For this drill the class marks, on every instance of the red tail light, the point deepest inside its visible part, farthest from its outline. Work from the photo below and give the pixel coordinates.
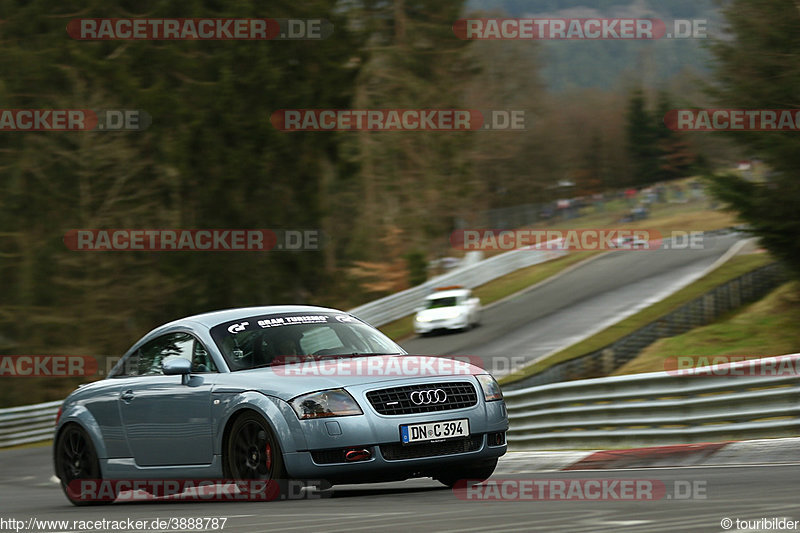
(58, 415)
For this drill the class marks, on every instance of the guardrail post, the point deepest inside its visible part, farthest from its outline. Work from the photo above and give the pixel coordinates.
(708, 308)
(609, 364)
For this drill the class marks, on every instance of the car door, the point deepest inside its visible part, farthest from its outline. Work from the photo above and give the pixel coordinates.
(165, 421)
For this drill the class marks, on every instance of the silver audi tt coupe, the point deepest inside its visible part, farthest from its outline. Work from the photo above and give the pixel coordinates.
(280, 392)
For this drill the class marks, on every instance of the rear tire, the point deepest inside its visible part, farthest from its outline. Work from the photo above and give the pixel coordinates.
(473, 473)
(75, 460)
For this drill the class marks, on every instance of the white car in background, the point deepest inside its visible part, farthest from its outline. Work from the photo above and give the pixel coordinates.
(630, 243)
(451, 308)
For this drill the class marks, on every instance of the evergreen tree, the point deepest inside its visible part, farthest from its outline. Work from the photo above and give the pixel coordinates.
(642, 133)
(758, 68)
(675, 156)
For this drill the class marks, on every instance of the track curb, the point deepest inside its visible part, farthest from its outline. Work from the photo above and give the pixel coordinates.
(726, 453)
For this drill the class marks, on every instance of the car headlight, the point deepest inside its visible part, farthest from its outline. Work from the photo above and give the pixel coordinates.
(324, 404)
(491, 389)
(423, 319)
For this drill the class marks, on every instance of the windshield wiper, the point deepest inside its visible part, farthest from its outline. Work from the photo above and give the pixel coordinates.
(333, 356)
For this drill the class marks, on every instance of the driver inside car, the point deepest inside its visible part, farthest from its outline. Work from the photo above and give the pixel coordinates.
(287, 346)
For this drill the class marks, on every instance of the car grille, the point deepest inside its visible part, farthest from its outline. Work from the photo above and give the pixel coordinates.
(325, 457)
(397, 452)
(397, 400)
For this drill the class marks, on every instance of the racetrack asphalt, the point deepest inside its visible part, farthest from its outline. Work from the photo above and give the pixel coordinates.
(586, 299)
(743, 492)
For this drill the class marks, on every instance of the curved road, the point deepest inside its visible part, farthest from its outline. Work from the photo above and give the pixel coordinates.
(577, 304)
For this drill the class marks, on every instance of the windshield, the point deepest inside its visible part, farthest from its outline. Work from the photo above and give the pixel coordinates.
(449, 301)
(273, 339)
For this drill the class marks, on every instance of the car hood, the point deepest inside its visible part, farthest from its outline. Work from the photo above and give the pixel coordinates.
(290, 380)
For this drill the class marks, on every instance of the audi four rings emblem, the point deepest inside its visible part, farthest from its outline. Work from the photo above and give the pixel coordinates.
(427, 397)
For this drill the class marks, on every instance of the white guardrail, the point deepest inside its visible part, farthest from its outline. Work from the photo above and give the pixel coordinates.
(395, 306)
(732, 401)
(27, 424)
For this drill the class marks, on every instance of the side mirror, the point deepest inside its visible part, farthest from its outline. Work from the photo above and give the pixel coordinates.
(178, 366)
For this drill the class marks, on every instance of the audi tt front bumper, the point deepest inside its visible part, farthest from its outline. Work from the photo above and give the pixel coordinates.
(387, 458)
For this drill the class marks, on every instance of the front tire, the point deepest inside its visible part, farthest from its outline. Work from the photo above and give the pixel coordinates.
(76, 460)
(471, 473)
(252, 453)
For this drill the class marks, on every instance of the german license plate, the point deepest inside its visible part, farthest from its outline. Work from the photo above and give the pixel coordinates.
(434, 431)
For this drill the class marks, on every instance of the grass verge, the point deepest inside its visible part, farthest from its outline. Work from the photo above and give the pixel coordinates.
(770, 326)
(728, 271)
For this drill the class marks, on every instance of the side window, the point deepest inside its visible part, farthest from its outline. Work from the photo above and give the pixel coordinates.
(162, 349)
(128, 367)
(150, 357)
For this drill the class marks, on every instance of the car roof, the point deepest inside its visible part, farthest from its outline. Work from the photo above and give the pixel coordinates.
(448, 294)
(213, 318)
